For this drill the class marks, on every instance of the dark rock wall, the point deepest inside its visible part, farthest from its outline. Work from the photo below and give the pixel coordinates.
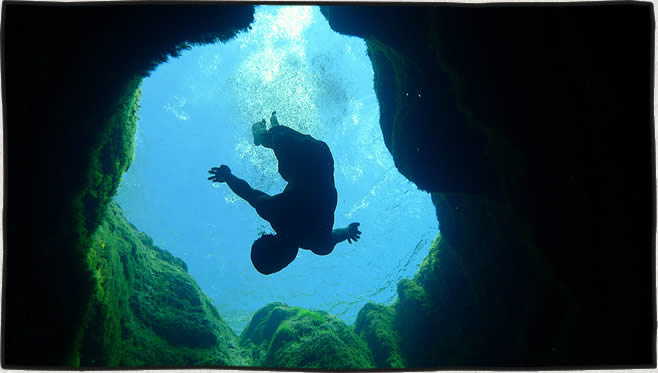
(532, 127)
(146, 309)
(71, 73)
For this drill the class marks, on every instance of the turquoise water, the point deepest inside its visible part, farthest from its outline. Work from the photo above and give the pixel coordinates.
(196, 113)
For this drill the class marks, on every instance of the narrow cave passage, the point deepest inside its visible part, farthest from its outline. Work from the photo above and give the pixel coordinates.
(196, 113)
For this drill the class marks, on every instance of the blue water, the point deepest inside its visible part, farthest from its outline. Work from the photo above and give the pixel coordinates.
(196, 113)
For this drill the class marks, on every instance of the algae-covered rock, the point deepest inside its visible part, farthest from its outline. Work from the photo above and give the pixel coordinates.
(264, 323)
(375, 325)
(292, 337)
(432, 309)
(147, 310)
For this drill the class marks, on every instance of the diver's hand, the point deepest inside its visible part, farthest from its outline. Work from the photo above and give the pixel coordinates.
(219, 174)
(353, 233)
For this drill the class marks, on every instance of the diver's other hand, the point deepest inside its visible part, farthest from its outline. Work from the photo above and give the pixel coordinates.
(220, 174)
(353, 233)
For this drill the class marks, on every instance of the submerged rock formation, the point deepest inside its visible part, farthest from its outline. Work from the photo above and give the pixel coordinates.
(72, 75)
(531, 126)
(280, 336)
(375, 324)
(146, 309)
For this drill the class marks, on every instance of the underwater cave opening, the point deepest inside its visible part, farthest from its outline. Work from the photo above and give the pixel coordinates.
(196, 112)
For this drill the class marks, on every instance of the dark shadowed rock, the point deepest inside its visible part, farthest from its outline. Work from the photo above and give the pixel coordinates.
(531, 126)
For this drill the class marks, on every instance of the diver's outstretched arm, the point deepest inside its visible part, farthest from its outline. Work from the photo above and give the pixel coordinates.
(238, 186)
(350, 233)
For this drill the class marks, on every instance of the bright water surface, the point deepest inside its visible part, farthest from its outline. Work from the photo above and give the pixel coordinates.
(196, 113)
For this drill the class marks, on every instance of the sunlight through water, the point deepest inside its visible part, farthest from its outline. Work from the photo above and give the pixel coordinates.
(196, 113)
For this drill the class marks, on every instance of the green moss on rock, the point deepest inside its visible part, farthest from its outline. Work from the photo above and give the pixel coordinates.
(264, 323)
(292, 337)
(147, 310)
(111, 156)
(375, 325)
(425, 311)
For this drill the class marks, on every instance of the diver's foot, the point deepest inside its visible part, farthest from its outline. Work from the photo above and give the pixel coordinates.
(258, 130)
(273, 121)
(220, 174)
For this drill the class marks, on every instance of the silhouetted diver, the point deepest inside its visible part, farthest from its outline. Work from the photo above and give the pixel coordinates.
(303, 214)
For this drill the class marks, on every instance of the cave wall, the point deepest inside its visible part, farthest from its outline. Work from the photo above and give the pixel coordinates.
(71, 75)
(146, 310)
(532, 128)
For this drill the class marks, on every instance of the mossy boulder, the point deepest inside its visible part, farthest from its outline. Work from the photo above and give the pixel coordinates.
(375, 325)
(147, 310)
(291, 337)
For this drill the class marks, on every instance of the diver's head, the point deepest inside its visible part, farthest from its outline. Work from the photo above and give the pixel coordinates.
(259, 130)
(271, 253)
